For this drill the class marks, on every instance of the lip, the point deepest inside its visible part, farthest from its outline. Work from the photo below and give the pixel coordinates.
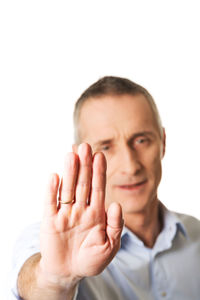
(132, 187)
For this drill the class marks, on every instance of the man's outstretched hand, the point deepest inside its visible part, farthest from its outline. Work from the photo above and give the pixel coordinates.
(79, 239)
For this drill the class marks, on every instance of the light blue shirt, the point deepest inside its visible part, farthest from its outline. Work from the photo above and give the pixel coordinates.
(168, 271)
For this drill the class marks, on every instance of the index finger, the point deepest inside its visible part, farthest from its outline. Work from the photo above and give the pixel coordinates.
(97, 198)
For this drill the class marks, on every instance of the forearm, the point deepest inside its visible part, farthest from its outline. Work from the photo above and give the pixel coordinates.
(34, 285)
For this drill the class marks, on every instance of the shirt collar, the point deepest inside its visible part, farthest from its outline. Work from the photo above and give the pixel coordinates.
(171, 225)
(171, 220)
(128, 234)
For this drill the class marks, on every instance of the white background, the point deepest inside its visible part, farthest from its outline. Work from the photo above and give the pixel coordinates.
(50, 51)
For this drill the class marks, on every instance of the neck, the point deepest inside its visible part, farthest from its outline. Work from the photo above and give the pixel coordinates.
(146, 224)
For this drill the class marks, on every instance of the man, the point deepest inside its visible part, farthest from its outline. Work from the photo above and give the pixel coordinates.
(85, 252)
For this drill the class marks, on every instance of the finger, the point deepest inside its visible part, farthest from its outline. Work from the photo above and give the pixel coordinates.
(114, 223)
(50, 205)
(85, 174)
(97, 197)
(68, 183)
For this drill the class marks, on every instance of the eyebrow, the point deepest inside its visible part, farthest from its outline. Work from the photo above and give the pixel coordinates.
(135, 135)
(103, 142)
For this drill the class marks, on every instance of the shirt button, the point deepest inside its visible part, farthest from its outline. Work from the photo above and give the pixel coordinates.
(164, 294)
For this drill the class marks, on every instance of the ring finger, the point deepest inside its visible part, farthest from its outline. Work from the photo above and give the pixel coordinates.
(68, 183)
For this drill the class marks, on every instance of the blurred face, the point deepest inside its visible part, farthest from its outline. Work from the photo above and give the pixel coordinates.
(123, 127)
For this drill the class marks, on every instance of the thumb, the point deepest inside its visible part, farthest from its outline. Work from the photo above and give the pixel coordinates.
(114, 223)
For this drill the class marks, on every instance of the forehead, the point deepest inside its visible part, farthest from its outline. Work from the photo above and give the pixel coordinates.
(109, 116)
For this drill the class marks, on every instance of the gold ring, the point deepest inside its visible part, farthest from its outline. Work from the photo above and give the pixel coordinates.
(65, 202)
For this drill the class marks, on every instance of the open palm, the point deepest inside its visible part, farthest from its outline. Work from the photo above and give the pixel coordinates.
(80, 238)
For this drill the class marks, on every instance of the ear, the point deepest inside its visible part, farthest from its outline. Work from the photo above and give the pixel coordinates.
(75, 148)
(163, 143)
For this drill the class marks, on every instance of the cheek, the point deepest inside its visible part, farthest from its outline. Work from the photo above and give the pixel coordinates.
(155, 166)
(109, 178)
(111, 166)
(110, 175)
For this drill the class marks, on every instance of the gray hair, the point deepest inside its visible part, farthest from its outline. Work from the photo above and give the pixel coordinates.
(111, 85)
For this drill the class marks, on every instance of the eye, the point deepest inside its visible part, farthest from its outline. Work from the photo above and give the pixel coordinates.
(141, 141)
(105, 148)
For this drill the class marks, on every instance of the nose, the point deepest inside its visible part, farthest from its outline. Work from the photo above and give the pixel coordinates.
(129, 162)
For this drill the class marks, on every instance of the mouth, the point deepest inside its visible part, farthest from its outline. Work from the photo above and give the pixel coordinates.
(132, 187)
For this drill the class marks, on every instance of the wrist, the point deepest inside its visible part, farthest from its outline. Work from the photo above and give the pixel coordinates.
(57, 282)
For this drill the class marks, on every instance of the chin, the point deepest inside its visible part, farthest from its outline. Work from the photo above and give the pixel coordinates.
(133, 209)
(134, 205)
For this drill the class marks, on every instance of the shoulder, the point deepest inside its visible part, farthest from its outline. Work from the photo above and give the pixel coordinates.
(190, 223)
(187, 219)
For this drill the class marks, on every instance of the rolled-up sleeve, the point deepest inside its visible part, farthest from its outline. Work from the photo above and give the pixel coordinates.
(26, 245)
